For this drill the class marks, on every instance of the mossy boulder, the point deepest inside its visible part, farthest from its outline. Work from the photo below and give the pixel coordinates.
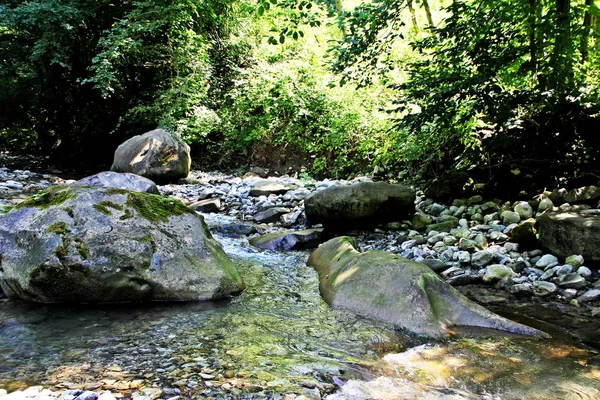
(525, 235)
(364, 204)
(393, 289)
(95, 245)
(156, 155)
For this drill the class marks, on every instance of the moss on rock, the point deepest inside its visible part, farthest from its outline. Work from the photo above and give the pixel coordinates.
(104, 206)
(52, 196)
(58, 227)
(156, 208)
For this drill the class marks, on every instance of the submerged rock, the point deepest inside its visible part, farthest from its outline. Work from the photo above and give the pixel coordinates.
(94, 245)
(364, 204)
(156, 155)
(395, 290)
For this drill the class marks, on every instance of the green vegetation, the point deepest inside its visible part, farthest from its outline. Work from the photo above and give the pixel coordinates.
(148, 239)
(506, 91)
(58, 227)
(53, 196)
(104, 206)
(156, 208)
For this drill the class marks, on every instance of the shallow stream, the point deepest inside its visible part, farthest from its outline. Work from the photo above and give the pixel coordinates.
(278, 338)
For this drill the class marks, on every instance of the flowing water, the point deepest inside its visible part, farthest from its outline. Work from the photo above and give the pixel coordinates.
(277, 337)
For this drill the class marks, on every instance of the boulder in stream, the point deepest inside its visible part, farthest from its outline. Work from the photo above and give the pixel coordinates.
(95, 245)
(364, 204)
(156, 155)
(395, 290)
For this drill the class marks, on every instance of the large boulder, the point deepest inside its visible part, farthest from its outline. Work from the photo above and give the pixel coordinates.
(118, 180)
(156, 155)
(95, 245)
(395, 290)
(364, 204)
(570, 233)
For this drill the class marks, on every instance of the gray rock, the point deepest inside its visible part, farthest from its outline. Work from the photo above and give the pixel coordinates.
(421, 220)
(563, 269)
(95, 245)
(521, 288)
(573, 280)
(207, 206)
(364, 204)
(270, 215)
(392, 289)
(87, 395)
(463, 257)
(547, 261)
(435, 264)
(510, 217)
(545, 204)
(495, 272)
(119, 180)
(568, 233)
(482, 258)
(575, 260)
(444, 226)
(543, 288)
(156, 155)
(287, 240)
(585, 194)
(590, 295)
(584, 271)
(266, 188)
(467, 245)
(524, 210)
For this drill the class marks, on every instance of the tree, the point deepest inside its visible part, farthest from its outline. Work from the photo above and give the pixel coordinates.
(482, 82)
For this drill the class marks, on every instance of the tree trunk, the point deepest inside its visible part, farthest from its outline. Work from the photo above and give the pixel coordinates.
(585, 32)
(562, 63)
(428, 12)
(532, 37)
(413, 15)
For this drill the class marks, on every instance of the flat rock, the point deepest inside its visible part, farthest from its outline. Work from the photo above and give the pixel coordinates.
(119, 180)
(364, 204)
(270, 215)
(266, 188)
(287, 240)
(565, 234)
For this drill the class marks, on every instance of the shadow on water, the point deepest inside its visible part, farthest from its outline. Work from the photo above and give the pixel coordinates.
(278, 336)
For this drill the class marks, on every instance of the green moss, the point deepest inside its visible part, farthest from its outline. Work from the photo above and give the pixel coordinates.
(156, 208)
(5, 209)
(148, 239)
(104, 206)
(126, 215)
(111, 191)
(58, 227)
(52, 196)
(62, 250)
(81, 249)
(69, 211)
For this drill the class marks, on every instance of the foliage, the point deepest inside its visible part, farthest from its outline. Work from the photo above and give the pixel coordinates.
(79, 75)
(496, 84)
